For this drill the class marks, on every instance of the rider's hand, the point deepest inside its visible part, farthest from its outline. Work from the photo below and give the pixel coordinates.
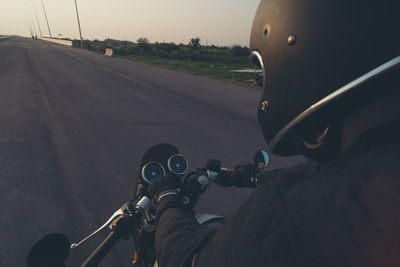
(168, 182)
(193, 188)
(163, 193)
(242, 176)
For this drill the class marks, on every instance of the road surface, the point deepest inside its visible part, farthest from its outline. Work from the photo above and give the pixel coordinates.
(73, 128)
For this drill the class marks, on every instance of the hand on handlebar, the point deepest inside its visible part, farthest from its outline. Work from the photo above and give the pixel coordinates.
(167, 182)
(195, 183)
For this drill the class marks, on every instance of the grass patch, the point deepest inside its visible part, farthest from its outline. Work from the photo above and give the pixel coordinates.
(205, 68)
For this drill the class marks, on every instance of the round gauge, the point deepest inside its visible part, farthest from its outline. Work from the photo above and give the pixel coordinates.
(178, 164)
(152, 171)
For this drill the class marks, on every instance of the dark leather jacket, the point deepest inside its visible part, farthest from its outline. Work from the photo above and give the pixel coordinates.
(346, 213)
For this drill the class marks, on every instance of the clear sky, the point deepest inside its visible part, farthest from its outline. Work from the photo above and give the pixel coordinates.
(221, 22)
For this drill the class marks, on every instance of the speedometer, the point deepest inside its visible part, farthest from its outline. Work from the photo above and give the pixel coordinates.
(152, 171)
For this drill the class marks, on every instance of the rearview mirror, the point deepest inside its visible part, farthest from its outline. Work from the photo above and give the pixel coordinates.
(261, 159)
(51, 250)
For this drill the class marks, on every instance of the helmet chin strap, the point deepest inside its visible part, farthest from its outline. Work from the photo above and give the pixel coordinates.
(318, 142)
(335, 139)
(322, 145)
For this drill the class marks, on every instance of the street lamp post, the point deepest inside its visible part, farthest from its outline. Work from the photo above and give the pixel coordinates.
(79, 24)
(33, 23)
(30, 29)
(48, 27)
(29, 26)
(34, 27)
(37, 20)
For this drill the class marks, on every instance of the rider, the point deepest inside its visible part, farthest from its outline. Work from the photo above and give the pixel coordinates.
(331, 93)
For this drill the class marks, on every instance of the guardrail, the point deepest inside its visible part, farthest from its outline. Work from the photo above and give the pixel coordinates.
(57, 41)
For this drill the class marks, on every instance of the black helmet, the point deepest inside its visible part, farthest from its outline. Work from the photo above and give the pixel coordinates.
(321, 60)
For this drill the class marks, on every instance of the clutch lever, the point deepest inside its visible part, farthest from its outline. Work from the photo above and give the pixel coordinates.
(116, 214)
(127, 208)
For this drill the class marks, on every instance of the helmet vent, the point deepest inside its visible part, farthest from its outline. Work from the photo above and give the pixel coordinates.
(267, 31)
(292, 40)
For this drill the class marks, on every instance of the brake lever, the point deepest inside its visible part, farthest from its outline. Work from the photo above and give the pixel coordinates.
(116, 214)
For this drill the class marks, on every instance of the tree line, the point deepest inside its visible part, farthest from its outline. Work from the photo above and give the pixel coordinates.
(193, 50)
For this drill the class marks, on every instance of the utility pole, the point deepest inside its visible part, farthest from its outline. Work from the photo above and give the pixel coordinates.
(29, 26)
(30, 29)
(48, 27)
(79, 24)
(33, 23)
(40, 30)
(37, 20)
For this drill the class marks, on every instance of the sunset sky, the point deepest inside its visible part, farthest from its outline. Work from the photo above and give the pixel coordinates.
(220, 22)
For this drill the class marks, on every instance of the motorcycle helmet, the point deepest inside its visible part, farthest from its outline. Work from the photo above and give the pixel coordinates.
(321, 60)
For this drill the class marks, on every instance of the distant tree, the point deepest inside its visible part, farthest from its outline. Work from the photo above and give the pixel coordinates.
(144, 44)
(142, 40)
(178, 54)
(195, 43)
(132, 49)
(169, 47)
(238, 50)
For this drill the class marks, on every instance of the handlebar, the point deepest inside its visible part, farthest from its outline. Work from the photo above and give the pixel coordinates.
(196, 182)
(125, 220)
(102, 250)
(122, 228)
(122, 225)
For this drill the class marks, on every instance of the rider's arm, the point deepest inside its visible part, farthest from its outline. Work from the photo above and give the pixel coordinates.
(178, 235)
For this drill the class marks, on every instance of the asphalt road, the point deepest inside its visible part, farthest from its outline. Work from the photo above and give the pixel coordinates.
(73, 128)
(5, 37)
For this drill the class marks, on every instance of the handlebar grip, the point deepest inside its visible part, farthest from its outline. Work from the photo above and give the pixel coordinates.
(213, 165)
(101, 251)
